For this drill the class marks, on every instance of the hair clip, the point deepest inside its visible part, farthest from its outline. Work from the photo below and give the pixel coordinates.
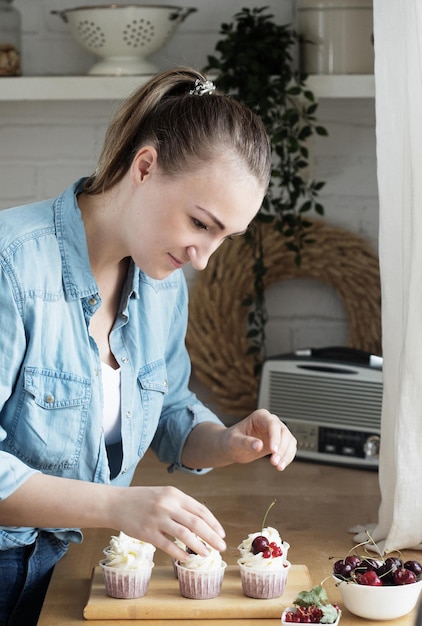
(201, 88)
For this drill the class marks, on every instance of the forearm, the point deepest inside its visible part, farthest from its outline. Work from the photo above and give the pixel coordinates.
(153, 514)
(207, 446)
(45, 501)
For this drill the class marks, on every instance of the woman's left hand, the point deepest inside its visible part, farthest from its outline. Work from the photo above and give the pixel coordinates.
(261, 434)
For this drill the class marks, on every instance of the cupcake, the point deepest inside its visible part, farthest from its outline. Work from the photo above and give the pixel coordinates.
(127, 566)
(200, 577)
(263, 564)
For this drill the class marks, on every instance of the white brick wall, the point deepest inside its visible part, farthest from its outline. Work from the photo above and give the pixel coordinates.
(306, 313)
(46, 145)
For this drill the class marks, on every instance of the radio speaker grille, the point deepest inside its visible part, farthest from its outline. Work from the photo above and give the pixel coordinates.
(340, 396)
(323, 400)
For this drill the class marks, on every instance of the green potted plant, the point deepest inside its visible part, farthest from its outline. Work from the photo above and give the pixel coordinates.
(255, 64)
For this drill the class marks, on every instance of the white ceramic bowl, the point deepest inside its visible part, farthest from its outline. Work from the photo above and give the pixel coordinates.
(292, 608)
(379, 603)
(123, 35)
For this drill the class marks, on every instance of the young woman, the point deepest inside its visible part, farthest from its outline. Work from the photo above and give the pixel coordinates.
(93, 365)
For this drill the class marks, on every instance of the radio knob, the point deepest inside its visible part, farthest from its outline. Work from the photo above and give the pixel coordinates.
(371, 447)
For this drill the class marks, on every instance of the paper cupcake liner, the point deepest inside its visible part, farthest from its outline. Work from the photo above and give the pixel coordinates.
(122, 583)
(198, 584)
(263, 584)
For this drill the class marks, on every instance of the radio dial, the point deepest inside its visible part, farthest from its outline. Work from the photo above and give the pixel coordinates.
(371, 447)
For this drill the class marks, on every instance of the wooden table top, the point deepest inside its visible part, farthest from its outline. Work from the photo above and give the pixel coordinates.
(316, 505)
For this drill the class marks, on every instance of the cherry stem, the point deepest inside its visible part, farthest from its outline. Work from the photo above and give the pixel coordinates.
(371, 540)
(266, 514)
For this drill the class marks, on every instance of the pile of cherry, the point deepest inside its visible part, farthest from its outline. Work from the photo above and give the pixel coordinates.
(305, 615)
(368, 571)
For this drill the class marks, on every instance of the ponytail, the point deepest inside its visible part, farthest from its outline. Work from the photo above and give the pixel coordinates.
(181, 114)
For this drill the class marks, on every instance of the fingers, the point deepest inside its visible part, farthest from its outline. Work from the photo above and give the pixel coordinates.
(263, 434)
(282, 460)
(196, 524)
(177, 550)
(283, 444)
(165, 514)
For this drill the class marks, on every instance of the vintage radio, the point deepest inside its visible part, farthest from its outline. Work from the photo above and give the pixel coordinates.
(330, 398)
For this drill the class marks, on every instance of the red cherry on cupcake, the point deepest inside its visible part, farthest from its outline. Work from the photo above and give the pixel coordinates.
(260, 544)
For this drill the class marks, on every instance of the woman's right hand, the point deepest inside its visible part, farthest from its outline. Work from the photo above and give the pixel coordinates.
(158, 515)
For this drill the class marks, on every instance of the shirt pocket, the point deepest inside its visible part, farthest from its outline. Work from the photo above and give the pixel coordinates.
(153, 386)
(50, 421)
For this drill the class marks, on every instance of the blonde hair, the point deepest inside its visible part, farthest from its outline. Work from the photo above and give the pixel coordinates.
(185, 129)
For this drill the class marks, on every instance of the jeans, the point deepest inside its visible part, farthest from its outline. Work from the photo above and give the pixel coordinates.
(24, 577)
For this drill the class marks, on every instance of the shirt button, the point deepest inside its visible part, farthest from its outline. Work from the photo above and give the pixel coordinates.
(125, 359)
(92, 301)
(49, 398)
(128, 414)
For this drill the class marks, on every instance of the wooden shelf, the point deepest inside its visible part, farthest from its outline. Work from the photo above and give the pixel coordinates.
(45, 88)
(343, 86)
(33, 88)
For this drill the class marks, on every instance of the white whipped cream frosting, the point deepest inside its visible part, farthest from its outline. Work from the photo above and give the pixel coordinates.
(213, 561)
(257, 561)
(126, 552)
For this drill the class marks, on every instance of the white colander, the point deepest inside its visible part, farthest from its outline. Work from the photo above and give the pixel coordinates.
(123, 35)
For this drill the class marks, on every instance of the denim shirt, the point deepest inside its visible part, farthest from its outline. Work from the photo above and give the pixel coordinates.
(51, 396)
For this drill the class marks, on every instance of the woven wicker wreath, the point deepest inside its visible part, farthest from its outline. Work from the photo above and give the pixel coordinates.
(216, 337)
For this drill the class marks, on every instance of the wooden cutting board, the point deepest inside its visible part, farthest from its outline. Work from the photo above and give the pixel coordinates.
(163, 600)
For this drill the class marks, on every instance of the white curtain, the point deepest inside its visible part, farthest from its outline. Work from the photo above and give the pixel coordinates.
(398, 81)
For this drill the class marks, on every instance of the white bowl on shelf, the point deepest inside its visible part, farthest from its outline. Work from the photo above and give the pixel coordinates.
(123, 35)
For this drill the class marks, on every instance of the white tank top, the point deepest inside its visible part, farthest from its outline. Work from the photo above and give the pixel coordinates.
(112, 421)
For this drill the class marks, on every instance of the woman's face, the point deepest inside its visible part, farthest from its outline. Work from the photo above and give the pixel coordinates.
(184, 220)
